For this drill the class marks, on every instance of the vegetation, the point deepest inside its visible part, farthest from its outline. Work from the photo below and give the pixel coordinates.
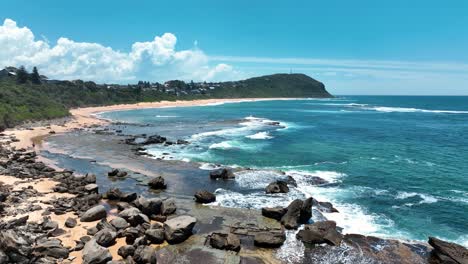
(27, 97)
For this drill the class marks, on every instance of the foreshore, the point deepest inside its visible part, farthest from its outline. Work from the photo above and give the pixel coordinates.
(86, 116)
(52, 188)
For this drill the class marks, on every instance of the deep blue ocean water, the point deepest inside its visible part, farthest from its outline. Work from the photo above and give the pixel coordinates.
(398, 165)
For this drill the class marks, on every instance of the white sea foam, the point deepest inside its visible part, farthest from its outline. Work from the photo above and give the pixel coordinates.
(330, 176)
(221, 145)
(425, 198)
(260, 135)
(166, 116)
(411, 110)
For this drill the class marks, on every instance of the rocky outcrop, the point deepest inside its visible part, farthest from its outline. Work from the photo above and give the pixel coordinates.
(275, 212)
(269, 239)
(319, 233)
(157, 183)
(224, 241)
(224, 173)
(277, 187)
(446, 252)
(290, 220)
(178, 229)
(204, 196)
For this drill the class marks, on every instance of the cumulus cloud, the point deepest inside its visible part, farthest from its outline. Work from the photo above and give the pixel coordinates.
(152, 60)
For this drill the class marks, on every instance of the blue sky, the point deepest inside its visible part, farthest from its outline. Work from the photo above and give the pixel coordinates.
(354, 47)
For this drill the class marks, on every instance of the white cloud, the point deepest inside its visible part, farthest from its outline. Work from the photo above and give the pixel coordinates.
(152, 60)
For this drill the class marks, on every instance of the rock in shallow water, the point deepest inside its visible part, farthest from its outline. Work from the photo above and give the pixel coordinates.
(157, 183)
(204, 196)
(277, 187)
(224, 174)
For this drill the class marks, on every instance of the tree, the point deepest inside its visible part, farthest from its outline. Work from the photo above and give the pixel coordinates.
(35, 78)
(22, 75)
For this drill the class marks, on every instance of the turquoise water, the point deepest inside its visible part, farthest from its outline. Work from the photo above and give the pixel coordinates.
(397, 166)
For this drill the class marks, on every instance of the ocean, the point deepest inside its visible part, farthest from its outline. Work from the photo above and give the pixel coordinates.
(396, 166)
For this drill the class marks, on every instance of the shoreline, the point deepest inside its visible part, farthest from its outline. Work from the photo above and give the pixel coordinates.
(86, 116)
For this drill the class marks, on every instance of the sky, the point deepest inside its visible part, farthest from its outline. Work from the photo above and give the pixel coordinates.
(353, 47)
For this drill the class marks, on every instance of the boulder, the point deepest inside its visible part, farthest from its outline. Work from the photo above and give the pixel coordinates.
(145, 255)
(319, 233)
(306, 211)
(290, 220)
(121, 174)
(168, 207)
(149, 206)
(51, 248)
(93, 253)
(225, 241)
(204, 196)
(70, 222)
(126, 251)
(224, 174)
(275, 212)
(129, 213)
(446, 252)
(113, 173)
(92, 187)
(155, 236)
(157, 183)
(113, 194)
(119, 223)
(269, 239)
(90, 178)
(277, 187)
(178, 229)
(95, 213)
(105, 237)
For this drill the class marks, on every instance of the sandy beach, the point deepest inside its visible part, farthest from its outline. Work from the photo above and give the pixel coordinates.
(85, 117)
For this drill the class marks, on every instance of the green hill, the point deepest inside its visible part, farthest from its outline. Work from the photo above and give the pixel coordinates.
(20, 102)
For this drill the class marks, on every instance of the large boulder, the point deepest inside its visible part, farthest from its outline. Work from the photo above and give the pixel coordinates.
(224, 174)
(133, 216)
(306, 211)
(145, 255)
(274, 212)
(126, 251)
(155, 236)
(51, 248)
(149, 206)
(119, 223)
(16, 247)
(290, 220)
(277, 187)
(178, 229)
(269, 239)
(95, 213)
(319, 233)
(105, 237)
(446, 252)
(93, 253)
(225, 241)
(157, 183)
(168, 207)
(204, 196)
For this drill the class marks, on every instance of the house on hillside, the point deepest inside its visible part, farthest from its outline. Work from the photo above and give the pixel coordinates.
(5, 73)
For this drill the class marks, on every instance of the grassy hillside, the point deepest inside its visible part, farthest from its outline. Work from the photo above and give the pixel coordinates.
(27, 101)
